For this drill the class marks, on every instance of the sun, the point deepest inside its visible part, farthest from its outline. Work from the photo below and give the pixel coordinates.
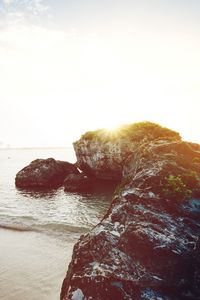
(112, 124)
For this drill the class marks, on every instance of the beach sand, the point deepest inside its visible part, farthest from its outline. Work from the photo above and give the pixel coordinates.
(33, 265)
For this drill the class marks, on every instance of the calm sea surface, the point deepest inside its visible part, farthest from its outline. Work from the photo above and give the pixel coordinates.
(38, 230)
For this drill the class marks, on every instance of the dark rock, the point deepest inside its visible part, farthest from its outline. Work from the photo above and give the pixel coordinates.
(44, 173)
(77, 183)
(148, 244)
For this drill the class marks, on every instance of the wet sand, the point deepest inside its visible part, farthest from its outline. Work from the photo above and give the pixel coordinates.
(33, 265)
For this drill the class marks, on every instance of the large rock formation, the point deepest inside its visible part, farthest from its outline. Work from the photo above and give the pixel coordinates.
(44, 173)
(103, 153)
(148, 244)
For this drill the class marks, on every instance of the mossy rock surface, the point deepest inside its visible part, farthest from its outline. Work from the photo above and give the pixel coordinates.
(134, 132)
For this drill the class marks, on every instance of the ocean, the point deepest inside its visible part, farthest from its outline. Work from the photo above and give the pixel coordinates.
(39, 229)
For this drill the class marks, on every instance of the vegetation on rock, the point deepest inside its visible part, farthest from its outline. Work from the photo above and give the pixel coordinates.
(135, 132)
(176, 188)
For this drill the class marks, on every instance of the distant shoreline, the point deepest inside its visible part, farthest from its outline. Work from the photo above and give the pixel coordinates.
(35, 148)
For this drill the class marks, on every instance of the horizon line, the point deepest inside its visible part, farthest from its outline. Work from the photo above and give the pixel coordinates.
(35, 147)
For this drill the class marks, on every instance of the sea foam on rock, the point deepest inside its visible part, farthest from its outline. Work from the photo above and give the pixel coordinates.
(44, 173)
(147, 246)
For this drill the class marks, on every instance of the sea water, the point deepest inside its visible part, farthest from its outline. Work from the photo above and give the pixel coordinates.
(38, 229)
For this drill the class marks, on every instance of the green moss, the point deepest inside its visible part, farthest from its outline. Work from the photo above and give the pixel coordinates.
(148, 130)
(196, 160)
(134, 132)
(89, 135)
(176, 187)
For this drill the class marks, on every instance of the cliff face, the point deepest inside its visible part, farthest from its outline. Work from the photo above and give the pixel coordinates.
(147, 246)
(103, 160)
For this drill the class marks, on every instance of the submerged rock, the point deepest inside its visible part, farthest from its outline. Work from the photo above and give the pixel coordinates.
(77, 183)
(44, 173)
(148, 244)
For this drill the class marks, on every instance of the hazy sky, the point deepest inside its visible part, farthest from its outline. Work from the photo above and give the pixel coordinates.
(77, 65)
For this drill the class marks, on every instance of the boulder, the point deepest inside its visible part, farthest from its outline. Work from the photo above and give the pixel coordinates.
(77, 183)
(147, 246)
(102, 153)
(44, 173)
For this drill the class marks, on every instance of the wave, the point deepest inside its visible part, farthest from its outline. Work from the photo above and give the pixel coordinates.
(15, 227)
(58, 229)
(65, 228)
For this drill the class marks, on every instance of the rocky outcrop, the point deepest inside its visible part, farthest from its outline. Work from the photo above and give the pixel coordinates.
(95, 160)
(148, 244)
(44, 173)
(102, 153)
(77, 183)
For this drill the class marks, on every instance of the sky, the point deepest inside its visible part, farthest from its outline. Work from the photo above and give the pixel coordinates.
(70, 66)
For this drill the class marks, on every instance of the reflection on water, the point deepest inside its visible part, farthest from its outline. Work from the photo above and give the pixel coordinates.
(100, 188)
(37, 193)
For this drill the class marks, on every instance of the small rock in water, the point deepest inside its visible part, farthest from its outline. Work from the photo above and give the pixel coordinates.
(44, 173)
